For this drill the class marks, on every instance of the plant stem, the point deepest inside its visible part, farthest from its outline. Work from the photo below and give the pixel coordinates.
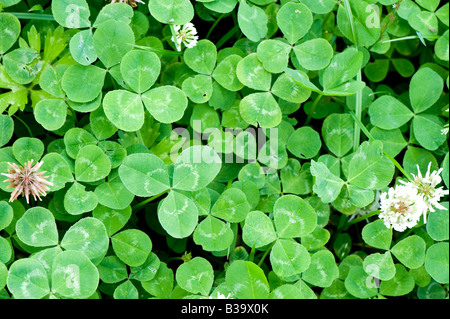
(138, 206)
(214, 25)
(401, 39)
(266, 253)
(371, 138)
(313, 108)
(364, 217)
(227, 36)
(33, 16)
(28, 128)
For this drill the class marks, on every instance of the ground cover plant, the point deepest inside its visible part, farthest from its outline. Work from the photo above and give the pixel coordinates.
(224, 149)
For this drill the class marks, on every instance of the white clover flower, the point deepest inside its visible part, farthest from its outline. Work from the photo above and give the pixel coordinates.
(186, 34)
(401, 207)
(427, 190)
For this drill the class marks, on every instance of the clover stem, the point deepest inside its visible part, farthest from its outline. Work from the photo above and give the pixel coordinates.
(136, 207)
(313, 108)
(28, 128)
(364, 217)
(174, 37)
(214, 25)
(266, 253)
(371, 138)
(33, 16)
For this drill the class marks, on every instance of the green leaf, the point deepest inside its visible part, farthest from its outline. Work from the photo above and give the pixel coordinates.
(72, 14)
(418, 156)
(327, 185)
(304, 143)
(91, 164)
(165, 103)
(321, 7)
(246, 280)
(113, 219)
(171, 11)
(195, 168)
(78, 201)
(161, 285)
(124, 109)
(317, 239)
(410, 251)
(201, 58)
(343, 67)
(231, 206)
(427, 130)
(289, 90)
(436, 262)
(225, 73)
(29, 273)
(393, 140)
(100, 125)
(213, 234)
(126, 290)
(112, 270)
(115, 11)
(437, 224)
(74, 275)
(425, 89)
(89, 236)
(132, 246)
(51, 114)
(286, 291)
(251, 73)
(22, 65)
(430, 5)
(58, 171)
(376, 234)
(144, 174)
(28, 148)
(274, 55)
(426, 23)
(81, 47)
(258, 230)
(441, 47)
(380, 266)
(114, 195)
(196, 276)
(369, 168)
(6, 129)
(337, 133)
(112, 40)
(6, 214)
(146, 271)
(198, 88)
(402, 283)
(293, 217)
(322, 270)
(295, 180)
(75, 139)
(365, 24)
(140, 69)
(359, 283)
(314, 54)
(178, 215)
(11, 30)
(83, 83)
(294, 20)
(289, 258)
(37, 228)
(252, 21)
(260, 108)
(302, 78)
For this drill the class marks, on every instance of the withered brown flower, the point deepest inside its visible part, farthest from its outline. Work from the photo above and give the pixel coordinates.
(27, 180)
